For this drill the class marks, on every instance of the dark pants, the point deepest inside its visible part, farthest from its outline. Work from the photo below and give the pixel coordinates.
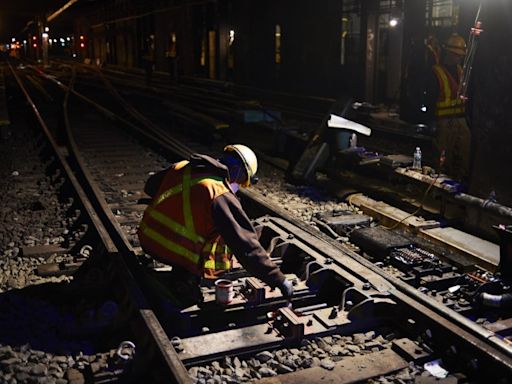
(180, 288)
(454, 137)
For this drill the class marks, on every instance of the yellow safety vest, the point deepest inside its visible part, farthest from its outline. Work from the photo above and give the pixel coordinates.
(448, 104)
(176, 231)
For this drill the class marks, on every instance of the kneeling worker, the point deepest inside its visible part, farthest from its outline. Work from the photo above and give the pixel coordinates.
(194, 216)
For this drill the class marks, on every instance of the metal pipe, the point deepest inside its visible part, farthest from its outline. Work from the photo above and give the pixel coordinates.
(311, 308)
(487, 205)
(496, 301)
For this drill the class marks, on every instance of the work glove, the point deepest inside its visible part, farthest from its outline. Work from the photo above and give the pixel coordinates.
(286, 289)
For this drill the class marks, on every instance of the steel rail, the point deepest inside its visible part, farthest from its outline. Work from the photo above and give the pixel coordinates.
(158, 344)
(163, 344)
(174, 145)
(106, 240)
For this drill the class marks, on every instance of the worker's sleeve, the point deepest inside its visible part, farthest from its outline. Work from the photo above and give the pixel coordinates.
(237, 231)
(154, 182)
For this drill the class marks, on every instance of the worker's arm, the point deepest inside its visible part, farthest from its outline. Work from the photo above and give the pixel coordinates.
(239, 234)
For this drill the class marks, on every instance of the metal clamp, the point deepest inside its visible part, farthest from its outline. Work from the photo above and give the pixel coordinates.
(85, 251)
(126, 350)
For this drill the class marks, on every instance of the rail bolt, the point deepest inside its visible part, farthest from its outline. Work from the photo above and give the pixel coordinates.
(176, 343)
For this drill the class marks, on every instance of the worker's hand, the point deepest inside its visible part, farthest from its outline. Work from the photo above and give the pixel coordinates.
(286, 289)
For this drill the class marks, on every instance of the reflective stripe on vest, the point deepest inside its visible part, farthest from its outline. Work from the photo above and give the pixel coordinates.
(187, 230)
(220, 262)
(448, 104)
(169, 244)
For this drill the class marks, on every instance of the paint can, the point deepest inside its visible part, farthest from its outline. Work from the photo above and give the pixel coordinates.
(224, 292)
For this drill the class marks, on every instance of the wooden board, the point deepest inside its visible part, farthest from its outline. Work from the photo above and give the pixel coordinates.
(43, 250)
(389, 215)
(348, 370)
(483, 252)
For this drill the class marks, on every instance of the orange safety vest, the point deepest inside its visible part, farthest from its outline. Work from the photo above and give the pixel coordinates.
(448, 104)
(178, 228)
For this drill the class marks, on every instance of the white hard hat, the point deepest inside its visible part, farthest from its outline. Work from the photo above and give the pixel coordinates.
(248, 158)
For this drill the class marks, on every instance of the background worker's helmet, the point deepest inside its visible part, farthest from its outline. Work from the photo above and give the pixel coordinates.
(456, 44)
(248, 159)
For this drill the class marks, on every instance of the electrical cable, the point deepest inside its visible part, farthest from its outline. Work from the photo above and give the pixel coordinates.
(419, 208)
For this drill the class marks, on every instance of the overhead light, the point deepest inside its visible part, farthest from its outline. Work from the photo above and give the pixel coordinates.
(393, 23)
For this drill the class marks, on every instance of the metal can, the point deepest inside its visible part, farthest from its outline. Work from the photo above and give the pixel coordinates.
(224, 292)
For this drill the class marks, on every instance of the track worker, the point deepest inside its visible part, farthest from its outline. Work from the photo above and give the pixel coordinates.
(194, 216)
(453, 135)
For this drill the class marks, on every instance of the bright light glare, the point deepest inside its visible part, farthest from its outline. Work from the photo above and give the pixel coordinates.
(393, 23)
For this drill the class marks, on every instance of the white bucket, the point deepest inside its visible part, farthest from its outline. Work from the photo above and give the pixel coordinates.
(224, 292)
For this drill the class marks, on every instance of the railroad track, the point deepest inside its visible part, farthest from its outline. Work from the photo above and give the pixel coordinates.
(221, 106)
(349, 322)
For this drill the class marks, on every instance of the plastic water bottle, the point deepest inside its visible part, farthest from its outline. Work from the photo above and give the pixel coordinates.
(416, 163)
